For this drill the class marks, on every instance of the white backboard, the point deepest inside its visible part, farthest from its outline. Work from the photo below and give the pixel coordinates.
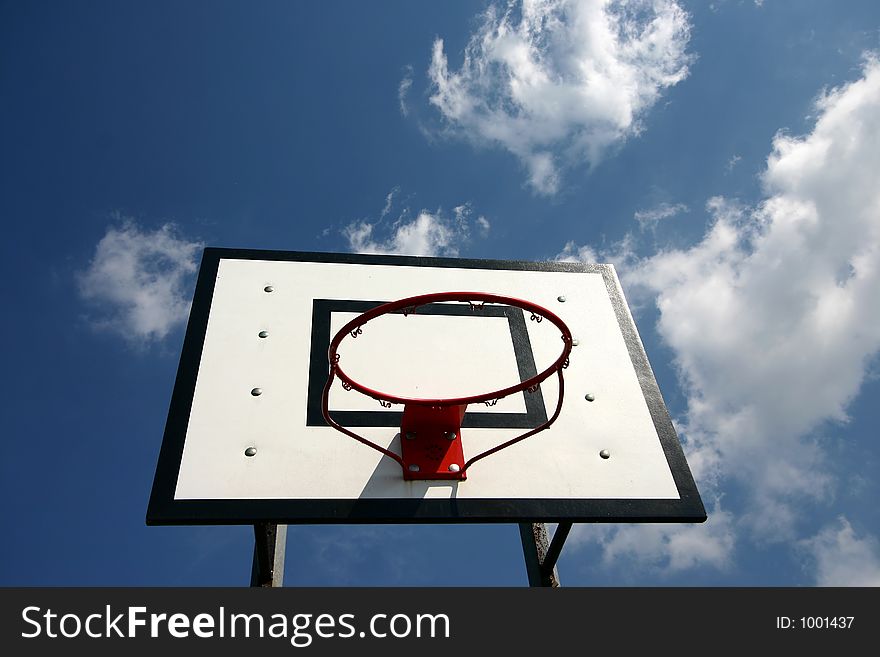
(261, 323)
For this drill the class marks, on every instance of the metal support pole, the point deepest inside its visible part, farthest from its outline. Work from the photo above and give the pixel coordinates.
(535, 544)
(540, 553)
(270, 542)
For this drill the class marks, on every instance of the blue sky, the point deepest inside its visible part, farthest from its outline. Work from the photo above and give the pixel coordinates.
(724, 156)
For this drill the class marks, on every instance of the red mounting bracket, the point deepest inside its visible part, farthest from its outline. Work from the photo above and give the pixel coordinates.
(430, 442)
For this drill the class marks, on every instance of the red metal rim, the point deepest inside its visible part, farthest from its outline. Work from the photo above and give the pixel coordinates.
(410, 305)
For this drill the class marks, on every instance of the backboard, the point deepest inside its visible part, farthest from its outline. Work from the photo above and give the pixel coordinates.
(245, 440)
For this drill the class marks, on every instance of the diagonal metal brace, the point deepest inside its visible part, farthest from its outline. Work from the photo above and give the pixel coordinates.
(541, 554)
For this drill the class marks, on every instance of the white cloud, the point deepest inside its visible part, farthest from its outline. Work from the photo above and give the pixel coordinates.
(648, 219)
(574, 253)
(620, 254)
(732, 162)
(428, 234)
(774, 316)
(484, 226)
(138, 281)
(841, 558)
(403, 90)
(558, 82)
(665, 549)
(389, 202)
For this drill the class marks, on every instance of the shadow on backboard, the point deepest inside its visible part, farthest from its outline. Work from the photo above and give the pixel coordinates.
(386, 483)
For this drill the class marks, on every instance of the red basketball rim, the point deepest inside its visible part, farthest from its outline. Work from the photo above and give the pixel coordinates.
(410, 305)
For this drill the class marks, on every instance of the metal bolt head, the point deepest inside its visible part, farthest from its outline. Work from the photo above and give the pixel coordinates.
(256, 392)
(454, 467)
(575, 342)
(450, 435)
(412, 467)
(561, 298)
(268, 288)
(250, 451)
(590, 396)
(410, 435)
(263, 334)
(605, 454)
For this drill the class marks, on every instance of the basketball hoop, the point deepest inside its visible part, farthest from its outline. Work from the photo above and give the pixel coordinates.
(430, 430)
